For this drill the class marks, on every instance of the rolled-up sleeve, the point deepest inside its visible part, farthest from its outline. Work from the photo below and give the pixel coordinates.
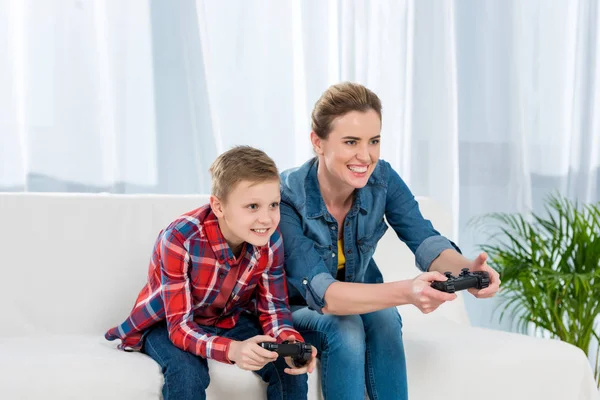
(305, 269)
(403, 214)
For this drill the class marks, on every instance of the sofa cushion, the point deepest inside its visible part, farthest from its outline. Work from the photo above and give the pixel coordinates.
(89, 367)
(478, 363)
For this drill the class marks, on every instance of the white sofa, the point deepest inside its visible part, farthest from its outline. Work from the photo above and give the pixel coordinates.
(71, 266)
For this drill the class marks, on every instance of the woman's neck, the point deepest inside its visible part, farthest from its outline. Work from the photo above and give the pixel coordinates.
(335, 194)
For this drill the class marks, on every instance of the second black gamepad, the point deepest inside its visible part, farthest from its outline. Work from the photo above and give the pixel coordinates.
(465, 280)
(300, 352)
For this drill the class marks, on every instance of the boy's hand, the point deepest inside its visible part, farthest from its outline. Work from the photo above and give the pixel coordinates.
(310, 365)
(249, 355)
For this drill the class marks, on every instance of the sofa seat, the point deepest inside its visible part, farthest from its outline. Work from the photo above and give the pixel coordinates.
(472, 362)
(495, 364)
(89, 367)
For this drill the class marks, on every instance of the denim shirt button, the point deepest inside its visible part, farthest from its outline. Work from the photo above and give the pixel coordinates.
(332, 255)
(333, 227)
(349, 251)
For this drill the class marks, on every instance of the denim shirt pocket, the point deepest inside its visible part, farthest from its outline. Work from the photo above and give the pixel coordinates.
(326, 254)
(368, 243)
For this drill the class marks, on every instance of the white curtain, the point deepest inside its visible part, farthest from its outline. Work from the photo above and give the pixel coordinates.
(76, 99)
(488, 105)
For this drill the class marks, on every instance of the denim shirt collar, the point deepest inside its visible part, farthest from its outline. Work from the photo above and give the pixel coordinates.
(315, 206)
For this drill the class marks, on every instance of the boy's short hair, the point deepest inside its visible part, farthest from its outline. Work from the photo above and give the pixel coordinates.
(241, 163)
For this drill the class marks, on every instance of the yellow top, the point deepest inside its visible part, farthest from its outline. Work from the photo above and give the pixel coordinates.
(341, 257)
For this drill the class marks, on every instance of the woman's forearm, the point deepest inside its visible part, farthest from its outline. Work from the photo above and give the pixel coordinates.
(450, 260)
(344, 298)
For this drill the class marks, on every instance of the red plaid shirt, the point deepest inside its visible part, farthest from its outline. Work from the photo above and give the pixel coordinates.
(189, 264)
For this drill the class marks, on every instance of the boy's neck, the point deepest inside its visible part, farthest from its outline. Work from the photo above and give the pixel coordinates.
(234, 245)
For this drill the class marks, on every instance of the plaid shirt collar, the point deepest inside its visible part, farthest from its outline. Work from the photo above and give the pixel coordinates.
(212, 232)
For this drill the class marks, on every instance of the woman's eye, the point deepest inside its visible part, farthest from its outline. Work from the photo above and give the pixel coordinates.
(350, 142)
(375, 141)
(274, 205)
(253, 206)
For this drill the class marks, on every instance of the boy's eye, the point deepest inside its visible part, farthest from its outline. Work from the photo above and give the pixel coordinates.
(350, 142)
(375, 141)
(253, 206)
(274, 205)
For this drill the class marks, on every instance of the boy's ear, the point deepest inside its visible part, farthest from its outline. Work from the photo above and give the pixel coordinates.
(316, 143)
(216, 205)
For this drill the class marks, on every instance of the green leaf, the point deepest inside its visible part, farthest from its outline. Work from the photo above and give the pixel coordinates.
(550, 270)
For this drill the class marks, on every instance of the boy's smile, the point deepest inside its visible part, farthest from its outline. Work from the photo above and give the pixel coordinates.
(249, 214)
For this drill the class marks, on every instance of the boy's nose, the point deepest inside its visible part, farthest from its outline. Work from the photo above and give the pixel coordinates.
(264, 219)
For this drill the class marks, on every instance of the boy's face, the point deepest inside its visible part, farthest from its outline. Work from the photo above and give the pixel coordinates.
(249, 214)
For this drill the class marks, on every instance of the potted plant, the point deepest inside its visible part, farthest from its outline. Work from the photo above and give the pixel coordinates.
(550, 271)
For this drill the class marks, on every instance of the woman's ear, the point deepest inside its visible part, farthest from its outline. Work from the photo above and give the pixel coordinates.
(316, 143)
(216, 205)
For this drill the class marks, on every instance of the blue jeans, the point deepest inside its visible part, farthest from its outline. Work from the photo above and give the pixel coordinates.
(357, 350)
(186, 375)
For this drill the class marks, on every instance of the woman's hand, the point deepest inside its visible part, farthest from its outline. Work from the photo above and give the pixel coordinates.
(426, 298)
(480, 264)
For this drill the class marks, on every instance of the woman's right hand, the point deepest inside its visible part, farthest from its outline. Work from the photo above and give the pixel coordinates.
(426, 298)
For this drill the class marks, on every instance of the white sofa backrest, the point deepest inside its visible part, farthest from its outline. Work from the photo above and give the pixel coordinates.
(74, 263)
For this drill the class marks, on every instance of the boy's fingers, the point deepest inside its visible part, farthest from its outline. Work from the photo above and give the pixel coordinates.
(256, 358)
(267, 354)
(251, 365)
(295, 371)
(262, 338)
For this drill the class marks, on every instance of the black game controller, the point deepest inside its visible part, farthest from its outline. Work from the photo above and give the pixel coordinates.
(300, 352)
(465, 280)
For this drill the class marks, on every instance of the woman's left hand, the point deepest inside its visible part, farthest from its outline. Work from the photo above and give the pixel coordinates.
(480, 264)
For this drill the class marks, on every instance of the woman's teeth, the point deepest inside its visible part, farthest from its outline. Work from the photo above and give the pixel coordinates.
(358, 169)
(259, 230)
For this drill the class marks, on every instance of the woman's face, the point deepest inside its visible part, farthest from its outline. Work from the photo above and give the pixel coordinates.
(351, 151)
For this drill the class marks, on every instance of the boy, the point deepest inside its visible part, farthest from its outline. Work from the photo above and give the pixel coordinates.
(216, 286)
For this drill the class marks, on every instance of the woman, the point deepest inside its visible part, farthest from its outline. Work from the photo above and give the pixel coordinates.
(332, 216)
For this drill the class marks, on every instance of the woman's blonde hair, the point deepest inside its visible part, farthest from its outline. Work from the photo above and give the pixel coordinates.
(340, 99)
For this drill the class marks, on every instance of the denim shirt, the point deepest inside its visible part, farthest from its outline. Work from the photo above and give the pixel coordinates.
(310, 232)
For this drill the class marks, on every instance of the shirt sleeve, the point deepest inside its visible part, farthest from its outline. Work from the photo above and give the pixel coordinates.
(403, 214)
(183, 331)
(304, 266)
(272, 297)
